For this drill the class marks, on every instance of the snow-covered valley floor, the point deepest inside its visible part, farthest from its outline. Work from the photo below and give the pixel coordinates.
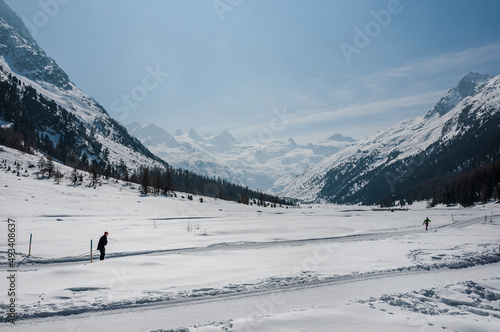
(173, 264)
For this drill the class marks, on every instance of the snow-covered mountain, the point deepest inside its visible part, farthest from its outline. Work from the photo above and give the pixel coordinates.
(44, 109)
(41, 109)
(461, 131)
(25, 57)
(268, 166)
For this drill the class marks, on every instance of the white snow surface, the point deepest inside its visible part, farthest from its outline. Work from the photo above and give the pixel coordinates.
(173, 264)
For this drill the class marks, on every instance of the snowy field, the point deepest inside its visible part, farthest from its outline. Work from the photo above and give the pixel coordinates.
(173, 264)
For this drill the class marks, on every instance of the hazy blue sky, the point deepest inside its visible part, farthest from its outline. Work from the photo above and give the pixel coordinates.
(267, 68)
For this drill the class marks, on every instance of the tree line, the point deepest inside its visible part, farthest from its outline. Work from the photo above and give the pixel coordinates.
(479, 185)
(168, 179)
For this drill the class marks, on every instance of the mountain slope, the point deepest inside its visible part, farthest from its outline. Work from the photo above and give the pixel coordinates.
(269, 166)
(454, 135)
(42, 108)
(24, 55)
(468, 86)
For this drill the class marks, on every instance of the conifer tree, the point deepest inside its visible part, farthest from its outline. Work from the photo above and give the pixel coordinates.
(145, 181)
(74, 177)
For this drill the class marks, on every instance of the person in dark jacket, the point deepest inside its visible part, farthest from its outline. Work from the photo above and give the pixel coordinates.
(426, 223)
(102, 243)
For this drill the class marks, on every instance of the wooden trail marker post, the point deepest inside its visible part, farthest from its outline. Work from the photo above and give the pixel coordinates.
(29, 251)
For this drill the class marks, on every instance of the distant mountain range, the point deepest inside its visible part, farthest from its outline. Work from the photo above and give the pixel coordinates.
(460, 132)
(268, 166)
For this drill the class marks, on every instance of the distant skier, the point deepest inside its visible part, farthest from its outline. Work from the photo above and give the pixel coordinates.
(103, 241)
(426, 223)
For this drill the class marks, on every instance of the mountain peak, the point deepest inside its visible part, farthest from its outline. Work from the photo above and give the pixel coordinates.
(23, 55)
(468, 86)
(224, 140)
(151, 125)
(226, 136)
(151, 134)
(341, 138)
(132, 126)
(15, 21)
(194, 135)
(470, 82)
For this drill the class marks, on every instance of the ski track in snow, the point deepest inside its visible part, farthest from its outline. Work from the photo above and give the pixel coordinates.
(34, 261)
(209, 310)
(270, 285)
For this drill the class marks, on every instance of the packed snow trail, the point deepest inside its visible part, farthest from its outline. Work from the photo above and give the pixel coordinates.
(35, 261)
(193, 312)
